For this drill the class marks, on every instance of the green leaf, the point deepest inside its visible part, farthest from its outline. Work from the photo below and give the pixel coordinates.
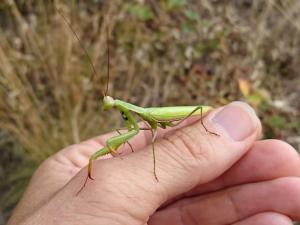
(208, 46)
(206, 23)
(187, 27)
(277, 121)
(141, 12)
(191, 15)
(173, 4)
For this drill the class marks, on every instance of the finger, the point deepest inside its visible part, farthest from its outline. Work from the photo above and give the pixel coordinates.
(238, 203)
(267, 218)
(184, 159)
(266, 160)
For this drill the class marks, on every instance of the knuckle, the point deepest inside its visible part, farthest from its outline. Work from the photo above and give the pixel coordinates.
(233, 204)
(283, 146)
(283, 152)
(189, 146)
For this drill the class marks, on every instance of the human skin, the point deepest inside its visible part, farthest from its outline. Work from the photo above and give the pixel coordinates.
(204, 179)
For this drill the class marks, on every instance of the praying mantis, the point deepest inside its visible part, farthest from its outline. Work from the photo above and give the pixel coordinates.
(154, 117)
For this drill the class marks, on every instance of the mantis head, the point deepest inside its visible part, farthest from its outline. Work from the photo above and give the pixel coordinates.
(108, 102)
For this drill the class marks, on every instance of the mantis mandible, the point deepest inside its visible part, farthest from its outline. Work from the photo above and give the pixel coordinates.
(155, 117)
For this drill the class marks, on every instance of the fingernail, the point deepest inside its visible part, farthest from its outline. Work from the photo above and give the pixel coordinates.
(237, 119)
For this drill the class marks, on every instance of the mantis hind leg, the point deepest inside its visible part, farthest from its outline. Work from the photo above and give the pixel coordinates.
(208, 131)
(173, 124)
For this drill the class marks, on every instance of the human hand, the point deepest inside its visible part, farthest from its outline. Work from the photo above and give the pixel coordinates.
(203, 179)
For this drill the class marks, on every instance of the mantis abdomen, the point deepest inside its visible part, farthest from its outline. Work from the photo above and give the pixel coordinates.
(175, 112)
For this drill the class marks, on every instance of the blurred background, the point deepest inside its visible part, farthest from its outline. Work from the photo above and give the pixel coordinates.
(165, 52)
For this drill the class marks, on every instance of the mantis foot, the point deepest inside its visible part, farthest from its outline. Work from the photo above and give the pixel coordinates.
(210, 132)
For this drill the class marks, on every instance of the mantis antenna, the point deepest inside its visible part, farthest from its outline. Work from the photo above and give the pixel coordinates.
(94, 73)
(108, 59)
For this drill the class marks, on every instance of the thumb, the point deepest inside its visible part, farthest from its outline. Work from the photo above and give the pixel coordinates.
(188, 157)
(192, 156)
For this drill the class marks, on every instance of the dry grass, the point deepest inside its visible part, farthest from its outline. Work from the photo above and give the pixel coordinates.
(47, 99)
(202, 48)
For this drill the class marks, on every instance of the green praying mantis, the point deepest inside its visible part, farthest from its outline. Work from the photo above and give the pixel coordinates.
(154, 117)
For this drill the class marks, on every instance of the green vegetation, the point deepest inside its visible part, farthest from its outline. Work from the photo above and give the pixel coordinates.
(213, 52)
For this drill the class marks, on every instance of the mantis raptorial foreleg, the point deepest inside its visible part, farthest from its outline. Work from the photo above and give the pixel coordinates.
(119, 132)
(141, 128)
(114, 143)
